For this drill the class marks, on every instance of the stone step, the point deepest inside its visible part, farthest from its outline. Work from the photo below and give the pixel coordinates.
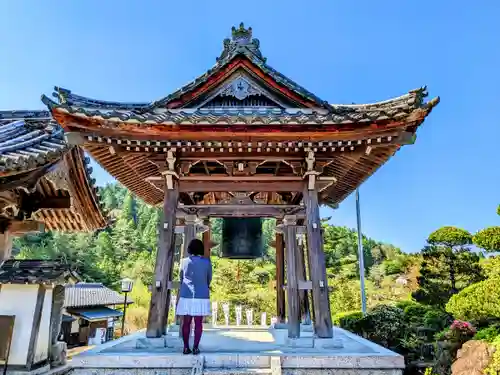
(236, 371)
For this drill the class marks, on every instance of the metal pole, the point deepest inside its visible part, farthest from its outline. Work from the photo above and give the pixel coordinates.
(124, 312)
(361, 256)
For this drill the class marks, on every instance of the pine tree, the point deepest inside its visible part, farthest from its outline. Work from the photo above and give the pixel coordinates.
(448, 266)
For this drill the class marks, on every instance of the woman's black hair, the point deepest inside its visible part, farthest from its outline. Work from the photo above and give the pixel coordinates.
(196, 247)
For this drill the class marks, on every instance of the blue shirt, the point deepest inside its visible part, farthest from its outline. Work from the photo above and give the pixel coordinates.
(196, 276)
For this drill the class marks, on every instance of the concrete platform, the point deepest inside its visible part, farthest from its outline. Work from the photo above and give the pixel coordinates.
(240, 350)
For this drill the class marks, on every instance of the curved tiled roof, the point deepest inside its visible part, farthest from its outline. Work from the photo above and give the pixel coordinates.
(33, 271)
(29, 139)
(32, 140)
(91, 294)
(400, 109)
(241, 44)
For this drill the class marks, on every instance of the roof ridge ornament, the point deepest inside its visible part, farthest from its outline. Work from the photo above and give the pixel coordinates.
(243, 42)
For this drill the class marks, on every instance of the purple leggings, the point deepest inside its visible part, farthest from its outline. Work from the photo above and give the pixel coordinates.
(186, 330)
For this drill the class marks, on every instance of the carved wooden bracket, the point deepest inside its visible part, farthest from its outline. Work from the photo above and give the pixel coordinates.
(170, 173)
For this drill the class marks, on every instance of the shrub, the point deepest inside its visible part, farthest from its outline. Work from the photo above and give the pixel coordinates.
(488, 334)
(348, 320)
(415, 313)
(479, 301)
(404, 304)
(437, 320)
(494, 365)
(442, 335)
(460, 331)
(384, 325)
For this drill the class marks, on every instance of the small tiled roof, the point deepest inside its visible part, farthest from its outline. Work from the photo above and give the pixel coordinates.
(91, 294)
(35, 272)
(29, 139)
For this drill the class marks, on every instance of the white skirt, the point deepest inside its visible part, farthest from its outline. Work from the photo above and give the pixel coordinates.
(193, 307)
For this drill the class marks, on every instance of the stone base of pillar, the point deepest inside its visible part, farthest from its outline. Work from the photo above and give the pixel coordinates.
(301, 342)
(151, 343)
(335, 343)
(304, 328)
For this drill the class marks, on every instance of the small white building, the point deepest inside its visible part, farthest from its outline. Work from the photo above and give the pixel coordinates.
(90, 313)
(30, 306)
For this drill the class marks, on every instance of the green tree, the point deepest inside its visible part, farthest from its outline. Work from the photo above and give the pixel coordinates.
(488, 239)
(448, 266)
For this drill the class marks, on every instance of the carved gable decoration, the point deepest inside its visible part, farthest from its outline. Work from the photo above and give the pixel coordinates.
(240, 88)
(242, 91)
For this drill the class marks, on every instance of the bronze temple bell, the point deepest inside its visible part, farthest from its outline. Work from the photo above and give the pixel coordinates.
(242, 238)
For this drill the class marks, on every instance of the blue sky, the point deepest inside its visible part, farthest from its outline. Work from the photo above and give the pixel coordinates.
(344, 51)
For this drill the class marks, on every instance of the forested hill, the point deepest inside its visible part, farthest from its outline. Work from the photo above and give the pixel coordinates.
(128, 246)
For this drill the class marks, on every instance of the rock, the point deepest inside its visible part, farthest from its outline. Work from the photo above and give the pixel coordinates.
(472, 358)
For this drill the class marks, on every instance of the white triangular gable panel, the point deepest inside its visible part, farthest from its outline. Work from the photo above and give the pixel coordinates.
(238, 90)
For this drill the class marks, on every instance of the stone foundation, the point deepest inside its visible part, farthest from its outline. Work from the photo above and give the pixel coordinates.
(223, 371)
(241, 350)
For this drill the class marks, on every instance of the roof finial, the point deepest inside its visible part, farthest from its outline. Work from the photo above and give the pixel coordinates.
(243, 42)
(241, 35)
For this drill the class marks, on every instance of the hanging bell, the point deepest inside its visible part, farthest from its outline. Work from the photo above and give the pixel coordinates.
(242, 238)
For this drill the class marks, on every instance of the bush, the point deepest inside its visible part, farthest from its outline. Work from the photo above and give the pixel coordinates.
(348, 320)
(437, 320)
(494, 366)
(479, 301)
(384, 325)
(460, 332)
(442, 335)
(404, 304)
(488, 334)
(415, 313)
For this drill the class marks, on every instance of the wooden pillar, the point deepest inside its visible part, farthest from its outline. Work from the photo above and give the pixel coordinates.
(302, 276)
(35, 328)
(311, 296)
(5, 246)
(177, 247)
(206, 236)
(164, 260)
(280, 278)
(292, 283)
(56, 314)
(189, 232)
(323, 318)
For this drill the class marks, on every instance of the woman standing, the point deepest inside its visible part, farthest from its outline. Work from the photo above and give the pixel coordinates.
(194, 301)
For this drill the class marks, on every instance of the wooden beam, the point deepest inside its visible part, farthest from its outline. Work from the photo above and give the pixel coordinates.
(164, 260)
(213, 186)
(254, 178)
(27, 226)
(290, 234)
(54, 203)
(251, 210)
(323, 318)
(280, 278)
